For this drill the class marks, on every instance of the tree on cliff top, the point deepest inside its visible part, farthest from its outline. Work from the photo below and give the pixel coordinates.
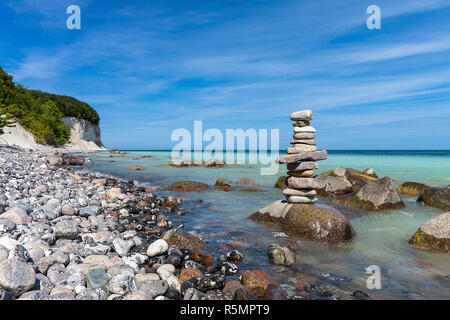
(39, 112)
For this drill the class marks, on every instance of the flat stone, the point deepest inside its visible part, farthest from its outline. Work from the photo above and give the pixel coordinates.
(301, 183)
(302, 115)
(300, 123)
(304, 141)
(299, 192)
(298, 148)
(304, 173)
(304, 129)
(304, 135)
(300, 199)
(304, 165)
(305, 156)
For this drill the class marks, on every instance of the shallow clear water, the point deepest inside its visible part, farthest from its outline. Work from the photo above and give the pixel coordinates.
(381, 238)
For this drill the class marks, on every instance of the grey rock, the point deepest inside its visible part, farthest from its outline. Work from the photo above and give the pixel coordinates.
(122, 284)
(7, 225)
(97, 278)
(57, 273)
(89, 211)
(122, 247)
(194, 294)
(120, 268)
(19, 253)
(329, 186)
(153, 287)
(16, 276)
(281, 255)
(158, 247)
(32, 295)
(66, 230)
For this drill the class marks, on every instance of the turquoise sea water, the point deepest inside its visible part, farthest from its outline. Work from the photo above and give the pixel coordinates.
(381, 238)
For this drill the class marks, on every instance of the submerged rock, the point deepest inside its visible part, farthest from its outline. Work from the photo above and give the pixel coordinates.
(434, 234)
(281, 183)
(436, 197)
(281, 255)
(187, 186)
(318, 223)
(330, 186)
(315, 222)
(374, 196)
(411, 188)
(183, 240)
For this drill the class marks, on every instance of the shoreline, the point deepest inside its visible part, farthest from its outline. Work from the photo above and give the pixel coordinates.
(95, 242)
(86, 237)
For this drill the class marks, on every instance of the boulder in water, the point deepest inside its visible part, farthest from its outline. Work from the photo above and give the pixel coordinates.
(434, 234)
(281, 183)
(411, 188)
(330, 186)
(316, 222)
(436, 197)
(187, 186)
(183, 240)
(374, 196)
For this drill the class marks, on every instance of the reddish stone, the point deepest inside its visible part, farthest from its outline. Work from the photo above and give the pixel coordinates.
(256, 281)
(199, 201)
(203, 258)
(274, 292)
(189, 273)
(129, 226)
(302, 281)
(113, 214)
(236, 244)
(232, 286)
(162, 224)
(225, 188)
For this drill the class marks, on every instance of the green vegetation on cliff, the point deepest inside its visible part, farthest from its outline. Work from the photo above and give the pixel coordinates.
(39, 112)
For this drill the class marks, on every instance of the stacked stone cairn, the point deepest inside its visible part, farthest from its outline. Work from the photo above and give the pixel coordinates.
(301, 160)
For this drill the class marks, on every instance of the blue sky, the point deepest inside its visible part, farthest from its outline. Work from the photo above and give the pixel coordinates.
(149, 67)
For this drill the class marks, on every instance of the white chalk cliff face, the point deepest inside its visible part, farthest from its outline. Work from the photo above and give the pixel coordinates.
(84, 136)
